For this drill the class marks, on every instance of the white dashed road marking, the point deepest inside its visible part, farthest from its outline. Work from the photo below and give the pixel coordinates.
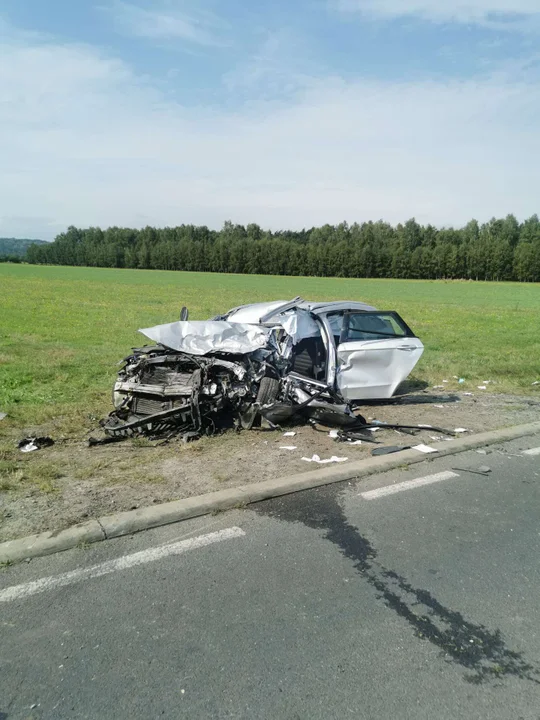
(17, 592)
(532, 451)
(408, 485)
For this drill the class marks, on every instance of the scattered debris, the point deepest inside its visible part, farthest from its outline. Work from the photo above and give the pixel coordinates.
(3, 415)
(482, 387)
(461, 381)
(260, 365)
(333, 434)
(440, 407)
(537, 382)
(287, 447)
(291, 433)
(468, 394)
(389, 449)
(317, 459)
(481, 470)
(29, 444)
(461, 430)
(438, 387)
(424, 448)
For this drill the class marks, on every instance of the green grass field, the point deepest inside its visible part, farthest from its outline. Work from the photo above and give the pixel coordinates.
(63, 329)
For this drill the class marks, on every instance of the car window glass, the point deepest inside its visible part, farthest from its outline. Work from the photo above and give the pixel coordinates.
(336, 323)
(372, 326)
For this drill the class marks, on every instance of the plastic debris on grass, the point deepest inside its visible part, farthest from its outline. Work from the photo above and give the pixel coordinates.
(30, 444)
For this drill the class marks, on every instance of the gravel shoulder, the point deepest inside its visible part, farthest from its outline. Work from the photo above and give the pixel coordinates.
(68, 483)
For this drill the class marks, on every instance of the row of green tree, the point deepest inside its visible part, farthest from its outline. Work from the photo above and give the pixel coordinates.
(497, 250)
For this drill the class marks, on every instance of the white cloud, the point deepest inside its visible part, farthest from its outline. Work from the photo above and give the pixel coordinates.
(282, 65)
(512, 14)
(166, 22)
(85, 141)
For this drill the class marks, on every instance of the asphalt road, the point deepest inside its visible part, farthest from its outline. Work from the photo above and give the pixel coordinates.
(326, 604)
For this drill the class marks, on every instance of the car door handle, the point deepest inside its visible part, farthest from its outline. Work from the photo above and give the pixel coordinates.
(407, 348)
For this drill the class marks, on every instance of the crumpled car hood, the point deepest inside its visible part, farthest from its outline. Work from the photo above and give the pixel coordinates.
(200, 337)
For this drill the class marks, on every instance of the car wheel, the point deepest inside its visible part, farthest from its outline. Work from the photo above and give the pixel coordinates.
(268, 390)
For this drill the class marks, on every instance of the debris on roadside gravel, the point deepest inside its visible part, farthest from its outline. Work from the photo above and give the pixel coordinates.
(424, 448)
(29, 444)
(389, 449)
(317, 459)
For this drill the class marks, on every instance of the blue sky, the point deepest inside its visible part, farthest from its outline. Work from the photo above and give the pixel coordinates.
(288, 114)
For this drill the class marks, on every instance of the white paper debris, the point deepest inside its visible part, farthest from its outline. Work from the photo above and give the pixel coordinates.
(354, 442)
(424, 448)
(482, 387)
(461, 430)
(424, 426)
(4, 415)
(445, 381)
(374, 429)
(317, 459)
(438, 387)
(287, 447)
(333, 434)
(537, 382)
(436, 437)
(291, 433)
(468, 394)
(486, 382)
(439, 406)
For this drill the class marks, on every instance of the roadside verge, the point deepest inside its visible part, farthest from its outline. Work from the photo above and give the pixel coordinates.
(125, 523)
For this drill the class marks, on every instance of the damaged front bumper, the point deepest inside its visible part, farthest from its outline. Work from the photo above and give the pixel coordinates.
(162, 392)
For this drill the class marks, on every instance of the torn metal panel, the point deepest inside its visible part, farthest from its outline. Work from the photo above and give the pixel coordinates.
(200, 337)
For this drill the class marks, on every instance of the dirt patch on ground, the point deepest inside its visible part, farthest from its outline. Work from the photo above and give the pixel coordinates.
(70, 482)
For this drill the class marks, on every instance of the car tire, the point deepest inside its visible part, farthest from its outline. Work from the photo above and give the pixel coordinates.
(268, 390)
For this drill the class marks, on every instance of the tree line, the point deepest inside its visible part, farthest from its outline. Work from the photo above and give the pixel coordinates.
(501, 249)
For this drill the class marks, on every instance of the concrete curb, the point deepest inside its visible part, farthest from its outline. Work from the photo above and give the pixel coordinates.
(124, 523)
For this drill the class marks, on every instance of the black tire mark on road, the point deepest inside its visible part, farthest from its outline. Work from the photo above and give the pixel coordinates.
(480, 651)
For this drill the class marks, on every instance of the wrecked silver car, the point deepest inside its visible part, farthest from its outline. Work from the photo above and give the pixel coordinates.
(261, 363)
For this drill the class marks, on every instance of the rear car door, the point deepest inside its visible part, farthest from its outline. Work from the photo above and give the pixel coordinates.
(376, 352)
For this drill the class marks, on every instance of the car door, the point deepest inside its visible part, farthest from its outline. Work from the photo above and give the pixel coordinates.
(376, 352)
